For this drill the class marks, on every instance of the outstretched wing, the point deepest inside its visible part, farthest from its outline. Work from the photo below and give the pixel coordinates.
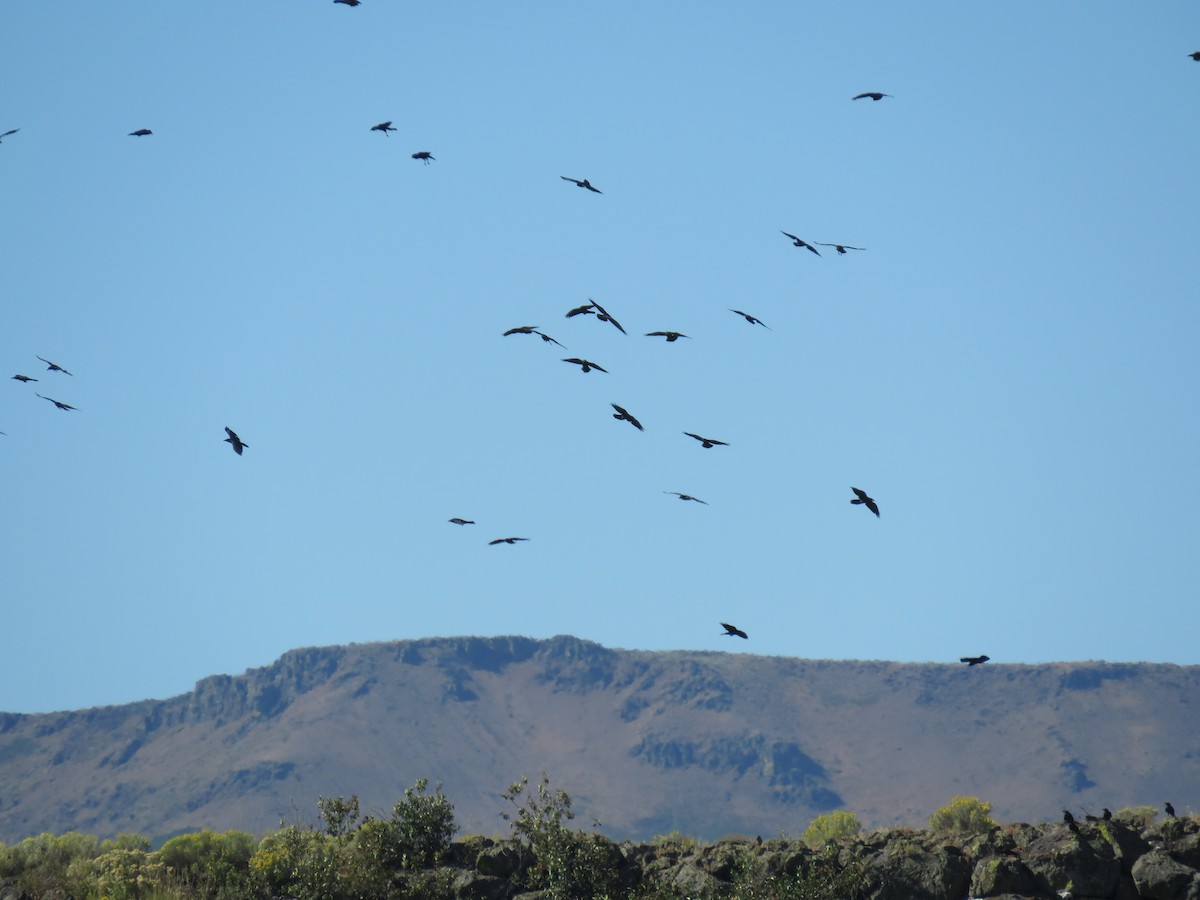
(572, 180)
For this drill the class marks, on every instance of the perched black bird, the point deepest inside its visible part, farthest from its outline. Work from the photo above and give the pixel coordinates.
(234, 441)
(603, 315)
(349, 2)
(457, 521)
(1107, 814)
(425, 156)
(861, 497)
(141, 132)
(583, 184)
(733, 631)
(24, 378)
(686, 497)
(751, 319)
(512, 540)
(798, 242)
(874, 95)
(706, 443)
(841, 248)
(974, 660)
(671, 336)
(385, 127)
(586, 310)
(622, 414)
(1067, 817)
(7, 133)
(54, 367)
(586, 365)
(57, 403)
(1170, 809)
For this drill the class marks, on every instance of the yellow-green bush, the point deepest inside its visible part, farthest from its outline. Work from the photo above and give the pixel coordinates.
(968, 815)
(831, 826)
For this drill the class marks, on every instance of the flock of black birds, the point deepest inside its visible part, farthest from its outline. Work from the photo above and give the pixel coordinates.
(1105, 816)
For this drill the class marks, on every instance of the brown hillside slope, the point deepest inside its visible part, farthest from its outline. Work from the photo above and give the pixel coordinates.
(646, 742)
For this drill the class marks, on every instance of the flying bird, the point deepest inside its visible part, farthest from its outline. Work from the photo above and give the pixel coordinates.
(974, 660)
(1195, 56)
(861, 497)
(622, 414)
(800, 242)
(385, 127)
(671, 336)
(1170, 809)
(874, 95)
(349, 2)
(706, 443)
(586, 310)
(841, 248)
(457, 521)
(54, 367)
(686, 497)
(583, 184)
(234, 441)
(425, 156)
(532, 329)
(7, 133)
(751, 319)
(586, 365)
(733, 631)
(24, 378)
(603, 315)
(511, 540)
(57, 403)
(141, 132)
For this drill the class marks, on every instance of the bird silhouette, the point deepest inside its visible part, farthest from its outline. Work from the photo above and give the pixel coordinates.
(622, 414)
(457, 521)
(509, 540)
(349, 2)
(7, 133)
(583, 184)
(733, 631)
(671, 336)
(686, 497)
(1195, 56)
(531, 329)
(1170, 809)
(751, 319)
(841, 248)
(141, 132)
(585, 310)
(706, 443)
(1067, 817)
(861, 497)
(24, 378)
(385, 127)
(235, 442)
(974, 660)
(603, 315)
(800, 242)
(586, 365)
(54, 367)
(57, 403)
(874, 95)
(1107, 814)
(425, 156)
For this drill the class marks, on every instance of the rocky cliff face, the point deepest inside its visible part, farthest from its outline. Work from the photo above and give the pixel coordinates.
(707, 743)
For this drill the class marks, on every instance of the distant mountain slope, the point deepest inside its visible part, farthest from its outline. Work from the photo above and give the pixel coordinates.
(646, 742)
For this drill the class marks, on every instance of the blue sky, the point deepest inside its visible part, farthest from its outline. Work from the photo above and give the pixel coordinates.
(1009, 368)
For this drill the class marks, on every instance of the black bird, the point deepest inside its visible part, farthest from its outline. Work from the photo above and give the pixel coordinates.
(841, 248)
(57, 403)
(234, 441)
(425, 156)
(974, 660)
(1067, 817)
(798, 242)
(457, 521)
(511, 540)
(733, 631)
(532, 329)
(603, 315)
(1107, 814)
(24, 378)
(706, 443)
(751, 319)
(54, 367)
(586, 365)
(7, 133)
(686, 497)
(1170, 809)
(583, 184)
(349, 2)
(141, 132)
(586, 310)
(874, 95)
(671, 336)
(1195, 56)
(861, 497)
(385, 127)
(622, 414)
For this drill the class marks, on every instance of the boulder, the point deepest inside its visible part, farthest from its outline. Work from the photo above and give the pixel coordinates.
(996, 876)
(1159, 877)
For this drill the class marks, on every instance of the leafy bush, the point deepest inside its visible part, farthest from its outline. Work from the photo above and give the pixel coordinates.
(424, 825)
(209, 864)
(128, 874)
(1136, 816)
(48, 863)
(339, 815)
(822, 877)
(968, 815)
(298, 862)
(831, 826)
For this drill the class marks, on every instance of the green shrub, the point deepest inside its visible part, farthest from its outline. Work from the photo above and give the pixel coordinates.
(822, 877)
(831, 826)
(1136, 816)
(300, 863)
(966, 815)
(208, 863)
(424, 825)
(128, 874)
